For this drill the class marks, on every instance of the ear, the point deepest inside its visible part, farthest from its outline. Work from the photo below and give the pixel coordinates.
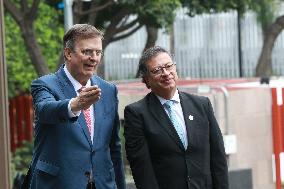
(67, 53)
(146, 81)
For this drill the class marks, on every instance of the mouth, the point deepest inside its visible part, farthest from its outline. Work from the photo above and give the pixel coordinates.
(90, 65)
(167, 81)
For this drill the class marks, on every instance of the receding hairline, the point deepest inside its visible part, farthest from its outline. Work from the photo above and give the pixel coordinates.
(82, 31)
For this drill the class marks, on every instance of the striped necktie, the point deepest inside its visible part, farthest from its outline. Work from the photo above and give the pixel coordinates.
(87, 115)
(178, 127)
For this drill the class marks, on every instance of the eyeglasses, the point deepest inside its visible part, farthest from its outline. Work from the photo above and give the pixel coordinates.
(159, 70)
(91, 52)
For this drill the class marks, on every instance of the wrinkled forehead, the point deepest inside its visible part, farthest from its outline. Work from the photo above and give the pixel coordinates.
(94, 42)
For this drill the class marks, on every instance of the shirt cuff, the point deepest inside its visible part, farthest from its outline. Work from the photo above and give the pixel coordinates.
(70, 112)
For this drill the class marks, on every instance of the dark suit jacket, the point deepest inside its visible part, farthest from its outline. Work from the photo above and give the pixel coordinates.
(155, 152)
(63, 150)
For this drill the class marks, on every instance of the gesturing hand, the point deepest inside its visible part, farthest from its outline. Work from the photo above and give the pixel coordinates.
(87, 96)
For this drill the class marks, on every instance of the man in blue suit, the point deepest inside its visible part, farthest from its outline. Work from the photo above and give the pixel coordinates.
(76, 121)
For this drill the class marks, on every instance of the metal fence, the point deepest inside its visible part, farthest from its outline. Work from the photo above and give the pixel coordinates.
(205, 46)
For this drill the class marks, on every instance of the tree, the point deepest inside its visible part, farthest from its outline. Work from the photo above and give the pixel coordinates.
(271, 29)
(118, 19)
(265, 10)
(20, 65)
(264, 65)
(122, 19)
(25, 15)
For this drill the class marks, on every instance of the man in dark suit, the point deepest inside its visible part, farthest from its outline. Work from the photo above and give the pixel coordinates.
(76, 121)
(173, 140)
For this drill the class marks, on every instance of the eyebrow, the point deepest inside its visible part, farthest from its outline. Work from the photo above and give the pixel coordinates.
(162, 65)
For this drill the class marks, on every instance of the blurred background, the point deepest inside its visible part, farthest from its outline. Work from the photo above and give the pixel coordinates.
(228, 50)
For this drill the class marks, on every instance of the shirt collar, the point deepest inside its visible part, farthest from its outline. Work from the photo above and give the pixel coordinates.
(175, 98)
(77, 86)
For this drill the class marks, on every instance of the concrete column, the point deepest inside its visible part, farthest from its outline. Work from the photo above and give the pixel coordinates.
(4, 115)
(68, 14)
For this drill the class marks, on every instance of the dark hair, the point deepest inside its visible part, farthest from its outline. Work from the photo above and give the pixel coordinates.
(146, 56)
(78, 32)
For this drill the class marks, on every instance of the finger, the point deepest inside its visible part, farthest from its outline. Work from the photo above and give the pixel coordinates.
(96, 92)
(87, 89)
(93, 98)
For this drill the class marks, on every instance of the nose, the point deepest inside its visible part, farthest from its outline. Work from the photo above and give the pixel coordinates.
(165, 71)
(94, 57)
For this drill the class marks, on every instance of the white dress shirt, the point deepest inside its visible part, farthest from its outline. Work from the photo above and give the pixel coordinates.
(77, 86)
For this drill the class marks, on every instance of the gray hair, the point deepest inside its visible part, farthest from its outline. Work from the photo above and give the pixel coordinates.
(79, 32)
(146, 56)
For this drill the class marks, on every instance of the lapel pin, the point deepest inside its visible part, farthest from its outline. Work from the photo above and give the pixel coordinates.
(190, 117)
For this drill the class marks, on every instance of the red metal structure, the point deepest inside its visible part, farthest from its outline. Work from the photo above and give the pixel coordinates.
(278, 133)
(21, 120)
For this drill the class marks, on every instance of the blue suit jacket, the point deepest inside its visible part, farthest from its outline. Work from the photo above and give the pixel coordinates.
(63, 150)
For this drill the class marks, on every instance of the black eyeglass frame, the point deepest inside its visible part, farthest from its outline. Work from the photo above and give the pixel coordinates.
(159, 69)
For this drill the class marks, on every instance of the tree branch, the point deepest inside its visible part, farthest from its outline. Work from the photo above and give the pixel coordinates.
(96, 9)
(24, 6)
(76, 9)
(127, 26)
(33, 10)
(14, 11)
(277, 26)
(126, 34)
(116, 19)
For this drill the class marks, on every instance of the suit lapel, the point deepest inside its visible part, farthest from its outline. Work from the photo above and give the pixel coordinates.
(98, 113)
(190, 117)
(162, 118)
(66, 85)
(69, 92)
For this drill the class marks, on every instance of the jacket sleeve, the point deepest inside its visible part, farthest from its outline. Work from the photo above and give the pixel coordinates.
(47, 105)
(137, 151)
(218, 162)
(115, 148)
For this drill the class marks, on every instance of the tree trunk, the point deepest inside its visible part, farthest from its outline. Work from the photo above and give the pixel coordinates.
(152, 36)
(33, 49)
(25, 17)
(264, 65)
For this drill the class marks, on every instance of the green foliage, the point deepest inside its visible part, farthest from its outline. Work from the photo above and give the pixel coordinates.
(213, 6)
(158, 13)
(49, 34)
(264, 9)
(16, 58)
(21, 159)
(19, 67)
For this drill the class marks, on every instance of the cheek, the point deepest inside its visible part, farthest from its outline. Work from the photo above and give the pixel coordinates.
(175, 75)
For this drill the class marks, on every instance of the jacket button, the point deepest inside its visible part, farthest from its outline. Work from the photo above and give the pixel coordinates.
(188, 178)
